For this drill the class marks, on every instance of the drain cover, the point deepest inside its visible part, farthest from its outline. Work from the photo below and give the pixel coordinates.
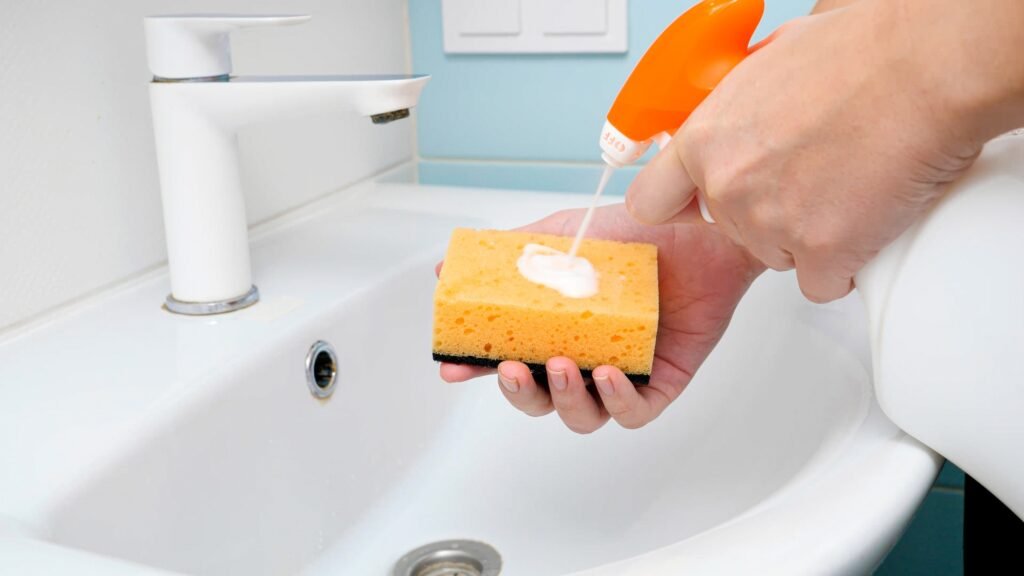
(450, 558)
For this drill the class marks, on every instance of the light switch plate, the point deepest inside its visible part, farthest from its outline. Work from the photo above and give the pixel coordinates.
(584, 17)
(534, 26)
(490, 17)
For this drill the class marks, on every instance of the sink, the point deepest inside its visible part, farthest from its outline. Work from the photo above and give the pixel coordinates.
(134, 441)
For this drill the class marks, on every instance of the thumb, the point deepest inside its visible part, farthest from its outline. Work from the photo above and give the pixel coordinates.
(662, 189)
(784, 28)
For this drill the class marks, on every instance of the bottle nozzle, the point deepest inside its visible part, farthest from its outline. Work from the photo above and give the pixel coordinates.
(611, 161)
(617, 149)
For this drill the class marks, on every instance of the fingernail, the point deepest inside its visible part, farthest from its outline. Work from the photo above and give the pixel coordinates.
(510, 384)
(604, 384)
(557, 379)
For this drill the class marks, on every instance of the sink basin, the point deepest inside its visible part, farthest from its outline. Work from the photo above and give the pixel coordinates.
(134, 441)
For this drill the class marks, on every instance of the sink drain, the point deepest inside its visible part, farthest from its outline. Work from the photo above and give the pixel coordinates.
(450, 558)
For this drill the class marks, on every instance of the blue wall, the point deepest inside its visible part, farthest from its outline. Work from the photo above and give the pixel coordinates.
(532, 122)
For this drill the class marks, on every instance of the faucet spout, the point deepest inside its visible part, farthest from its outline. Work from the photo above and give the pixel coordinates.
(195, 126)
(244, 100)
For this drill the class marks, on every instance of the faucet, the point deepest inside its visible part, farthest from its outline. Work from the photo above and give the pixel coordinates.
(198, 108)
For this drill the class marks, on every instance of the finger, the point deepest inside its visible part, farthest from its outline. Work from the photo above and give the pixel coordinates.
(783, 29)
(628, 405)
(772, 256)
(688, 215)
(575, 405)
(437, 269)
(726, 224)
(520, 389)
(761, 228)
(461, 372)
(779, 260)
(662, 189)
(821, 279)
(759, 237)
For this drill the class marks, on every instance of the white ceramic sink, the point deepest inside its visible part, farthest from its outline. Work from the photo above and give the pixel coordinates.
(134, 441)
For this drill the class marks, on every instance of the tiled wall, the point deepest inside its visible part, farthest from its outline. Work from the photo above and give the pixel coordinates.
(933, 544)
(79, 198)
(531, 122)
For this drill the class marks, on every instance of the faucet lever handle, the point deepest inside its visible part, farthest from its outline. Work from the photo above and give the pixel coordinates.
(185, 46)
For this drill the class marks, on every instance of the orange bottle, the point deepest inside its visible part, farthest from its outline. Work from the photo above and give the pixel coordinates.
(678, 71)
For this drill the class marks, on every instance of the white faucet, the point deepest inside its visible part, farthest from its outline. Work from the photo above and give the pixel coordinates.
(198, 108)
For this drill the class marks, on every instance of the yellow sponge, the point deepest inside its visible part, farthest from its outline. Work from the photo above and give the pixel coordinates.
(485, 311)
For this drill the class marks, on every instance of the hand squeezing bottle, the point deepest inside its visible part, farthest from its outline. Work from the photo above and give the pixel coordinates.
(678, 71)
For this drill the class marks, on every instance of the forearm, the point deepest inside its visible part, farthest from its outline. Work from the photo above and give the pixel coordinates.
(967, 56)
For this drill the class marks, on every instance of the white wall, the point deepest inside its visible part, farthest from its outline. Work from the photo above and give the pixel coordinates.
(79, 197)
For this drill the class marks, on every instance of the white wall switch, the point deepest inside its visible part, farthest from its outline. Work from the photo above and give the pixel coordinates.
(486, 17)
(585, 17)
(534, 26)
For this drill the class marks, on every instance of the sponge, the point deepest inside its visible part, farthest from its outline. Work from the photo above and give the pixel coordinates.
(485, 311)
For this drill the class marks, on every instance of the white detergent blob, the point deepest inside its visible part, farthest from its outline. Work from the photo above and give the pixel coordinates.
(572, 276)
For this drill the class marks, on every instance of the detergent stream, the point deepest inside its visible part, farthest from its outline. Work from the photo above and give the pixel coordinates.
(605, 176)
